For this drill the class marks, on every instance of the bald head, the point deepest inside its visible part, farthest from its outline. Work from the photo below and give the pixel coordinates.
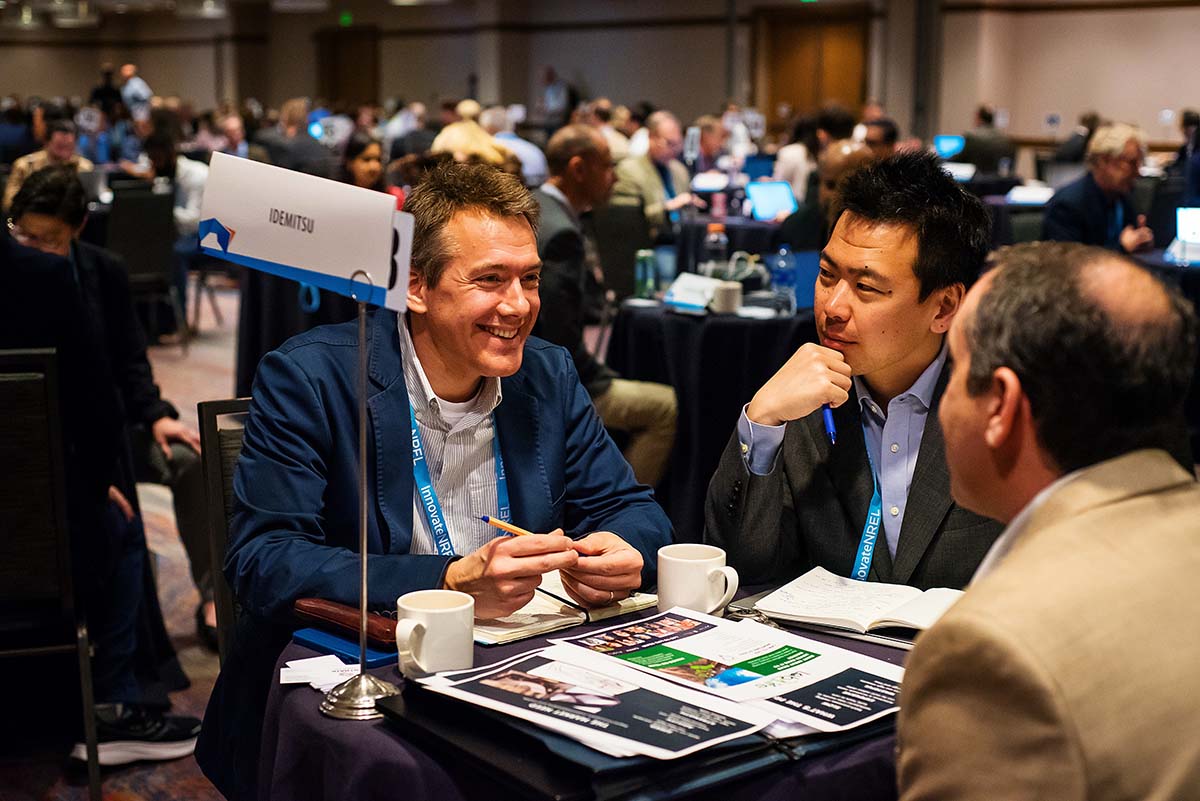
(1104, 351)
(837, 161)
(580, 165)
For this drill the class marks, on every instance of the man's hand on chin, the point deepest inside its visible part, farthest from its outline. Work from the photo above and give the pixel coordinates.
(503, 574)
(608, 570)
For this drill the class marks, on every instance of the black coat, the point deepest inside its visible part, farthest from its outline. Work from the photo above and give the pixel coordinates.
(1079, 212)
(811, 508)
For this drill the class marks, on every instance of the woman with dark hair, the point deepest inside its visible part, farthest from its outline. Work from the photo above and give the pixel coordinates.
(362, 162)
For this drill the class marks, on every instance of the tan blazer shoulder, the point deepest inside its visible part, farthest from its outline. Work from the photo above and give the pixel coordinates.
(638, 182)
(1069, 672)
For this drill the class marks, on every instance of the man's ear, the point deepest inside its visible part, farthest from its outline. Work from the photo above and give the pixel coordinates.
(416, 292)
(1006, 406)
(948, 305)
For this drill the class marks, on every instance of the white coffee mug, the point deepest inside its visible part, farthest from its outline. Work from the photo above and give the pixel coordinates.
(435, 631)
(695, 577)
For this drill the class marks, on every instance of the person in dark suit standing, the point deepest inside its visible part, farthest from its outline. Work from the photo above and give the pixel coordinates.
(1095, 209)
(581, 176)
(872, 501)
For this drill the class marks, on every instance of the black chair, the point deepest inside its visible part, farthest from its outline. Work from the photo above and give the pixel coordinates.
(39, 614)
(620, 232)
(1168, 196)
(221, 424)
(141, 228)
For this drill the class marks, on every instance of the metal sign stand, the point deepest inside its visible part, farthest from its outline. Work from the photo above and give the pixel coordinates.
(354, 699)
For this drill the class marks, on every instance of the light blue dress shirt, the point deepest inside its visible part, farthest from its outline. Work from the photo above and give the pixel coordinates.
(893, 439)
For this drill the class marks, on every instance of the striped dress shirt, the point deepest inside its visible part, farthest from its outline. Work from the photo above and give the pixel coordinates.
(457, 439)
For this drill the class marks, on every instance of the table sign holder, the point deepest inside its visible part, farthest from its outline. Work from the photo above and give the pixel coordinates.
(314, 230)
(354, 699)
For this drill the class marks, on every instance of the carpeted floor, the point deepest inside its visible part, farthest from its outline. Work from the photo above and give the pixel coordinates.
(43, 772)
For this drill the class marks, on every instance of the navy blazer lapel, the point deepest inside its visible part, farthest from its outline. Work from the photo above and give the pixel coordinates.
(851, 477)
(390, 434)
(929, 497)
(517, 427)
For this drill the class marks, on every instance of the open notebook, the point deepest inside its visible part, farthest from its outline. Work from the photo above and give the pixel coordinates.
(830, 602)
(550, 610)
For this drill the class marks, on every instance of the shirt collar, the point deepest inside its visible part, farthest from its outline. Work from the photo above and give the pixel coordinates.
(922, 389)
(421, 395)
(1016, 529)
(556, 193)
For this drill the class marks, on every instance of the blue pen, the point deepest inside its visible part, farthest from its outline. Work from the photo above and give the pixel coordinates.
(830, 428)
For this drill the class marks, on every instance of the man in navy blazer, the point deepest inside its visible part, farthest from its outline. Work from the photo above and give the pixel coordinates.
(462, 361)
(1096, 208)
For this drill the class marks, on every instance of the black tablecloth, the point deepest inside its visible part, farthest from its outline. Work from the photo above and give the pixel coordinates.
(716, 364)
(306, 755)
(745, 233)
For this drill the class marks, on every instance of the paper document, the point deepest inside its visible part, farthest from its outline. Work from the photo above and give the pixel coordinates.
(825, 599)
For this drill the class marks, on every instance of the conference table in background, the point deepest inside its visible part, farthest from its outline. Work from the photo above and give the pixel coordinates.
(307, 756)
(715, 363)
(745, 233)
(1013, 222)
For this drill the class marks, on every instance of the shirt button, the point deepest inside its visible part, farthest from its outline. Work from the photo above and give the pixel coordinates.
(895, 447)
(895, 511)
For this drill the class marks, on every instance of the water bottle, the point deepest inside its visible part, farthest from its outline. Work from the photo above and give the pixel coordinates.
(716, 251)
(645, 274)
(783, 280)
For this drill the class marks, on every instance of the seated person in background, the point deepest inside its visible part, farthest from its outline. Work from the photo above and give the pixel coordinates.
(1068, 670)
(797, 160)
(1095, 209)
(289, 144)
(712, 143)
(50, 211)
(881, 135)
(601, 114)
(657, 180)
(581, 176)
(1189, 128)
(501, 419)
(1074, 147)
(533, 161)
(234, 131)
(807, 228)
(416, 141)
(986, 146)
(41, 307)
(59, 150)
(906, 244)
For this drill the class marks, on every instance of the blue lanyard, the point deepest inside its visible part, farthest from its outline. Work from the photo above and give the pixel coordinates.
(870, 533)
(428, 495)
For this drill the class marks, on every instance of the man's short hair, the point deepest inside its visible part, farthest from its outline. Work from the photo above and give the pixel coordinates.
(659, 118)
(567, 143)
(1109, 140)
(1098, 387)
(494, 119)
(890, 132)
(1190, 118)
(836, 121)
(452, 188)
(708, 123)
(61, 125)
(986, 115)
(952, 226)
(294, 113)
(54, 191)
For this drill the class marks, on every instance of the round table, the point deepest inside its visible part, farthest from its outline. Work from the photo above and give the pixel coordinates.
(745, 233)
(715, 363)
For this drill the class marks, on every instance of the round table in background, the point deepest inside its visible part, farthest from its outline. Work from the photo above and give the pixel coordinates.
(715, 363)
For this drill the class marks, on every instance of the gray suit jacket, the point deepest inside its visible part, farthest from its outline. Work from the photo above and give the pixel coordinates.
(1069, 671)
(811, 508)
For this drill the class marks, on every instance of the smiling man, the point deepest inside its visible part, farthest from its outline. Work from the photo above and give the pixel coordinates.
(469, 416)
(876, 503)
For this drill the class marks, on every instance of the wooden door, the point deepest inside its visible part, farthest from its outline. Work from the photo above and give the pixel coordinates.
(348, 64)
(806, 58)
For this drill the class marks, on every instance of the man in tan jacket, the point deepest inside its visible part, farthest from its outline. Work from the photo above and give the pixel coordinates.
(657, 180)
(59, 149)
(1069, 668)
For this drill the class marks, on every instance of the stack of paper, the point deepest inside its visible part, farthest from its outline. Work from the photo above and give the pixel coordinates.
(320, 672)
